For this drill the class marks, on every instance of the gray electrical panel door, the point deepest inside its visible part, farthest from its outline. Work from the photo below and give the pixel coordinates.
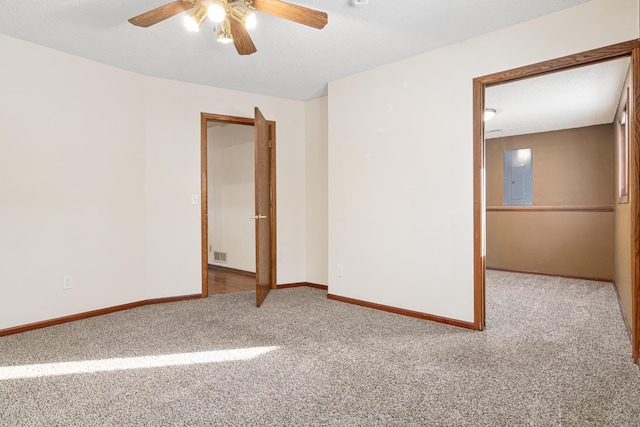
(517, 177)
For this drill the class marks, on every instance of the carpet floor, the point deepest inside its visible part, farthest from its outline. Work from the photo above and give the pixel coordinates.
(555, 353)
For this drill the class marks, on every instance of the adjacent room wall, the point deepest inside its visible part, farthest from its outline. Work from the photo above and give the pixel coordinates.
(401, 159)
(572, 169)
(623, 230)
(316, 190)
(72, 184)
(231, 195)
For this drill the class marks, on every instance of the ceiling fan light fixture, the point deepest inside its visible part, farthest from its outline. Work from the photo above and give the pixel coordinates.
(195, 18)
(489, 113)
(250, 21)
(217, 10)
(245, 16)
(224, 35)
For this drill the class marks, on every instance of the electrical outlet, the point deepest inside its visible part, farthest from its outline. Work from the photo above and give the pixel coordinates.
(67, 282)
(210, 248)
(194, 199)
(340, 270)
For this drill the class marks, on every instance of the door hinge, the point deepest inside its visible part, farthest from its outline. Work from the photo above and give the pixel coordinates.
(270, 203)
(270, 142)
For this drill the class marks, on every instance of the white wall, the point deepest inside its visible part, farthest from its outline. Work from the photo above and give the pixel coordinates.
(72, 178)
(400, 159)
(173, 174)
(316, 191)
(231, 195)
(97, 169)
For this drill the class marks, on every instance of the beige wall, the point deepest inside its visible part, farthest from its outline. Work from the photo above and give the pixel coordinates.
(576, 244)
(571, 168)
(622, 239)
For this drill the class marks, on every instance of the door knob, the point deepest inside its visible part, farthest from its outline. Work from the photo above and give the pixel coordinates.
(258, 217)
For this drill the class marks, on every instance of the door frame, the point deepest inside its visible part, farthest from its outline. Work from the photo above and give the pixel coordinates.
(246, 121)
(626, 49)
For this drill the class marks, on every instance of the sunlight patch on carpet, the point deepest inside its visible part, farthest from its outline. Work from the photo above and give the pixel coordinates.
(127, 363)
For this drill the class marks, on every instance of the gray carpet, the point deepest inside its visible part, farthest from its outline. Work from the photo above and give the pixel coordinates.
(555, 353)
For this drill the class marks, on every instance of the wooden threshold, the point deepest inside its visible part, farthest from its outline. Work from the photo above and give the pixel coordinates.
(403, 312)
(93, 313)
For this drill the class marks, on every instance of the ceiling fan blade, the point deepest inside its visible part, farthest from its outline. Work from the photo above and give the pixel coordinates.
(292, 12)
(241, 39)
(161, 13)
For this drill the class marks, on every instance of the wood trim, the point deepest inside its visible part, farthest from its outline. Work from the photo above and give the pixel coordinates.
(204, 118)
(204, 206)
(550, 209)
(235, 120)
(479, 208)
(232, 270)
(634, 196)
(273, 213)
(302, 284)
(629, 48)
(562, 64)
(93, 313)
(540, 273)
(403, 312)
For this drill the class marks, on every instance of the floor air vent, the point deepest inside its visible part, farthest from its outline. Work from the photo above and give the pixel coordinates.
(219, 256)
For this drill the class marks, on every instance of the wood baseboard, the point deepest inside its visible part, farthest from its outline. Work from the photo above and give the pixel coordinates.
(538, 273)
(231, 270)
(403, 312)
(300, 284)
(93, 313)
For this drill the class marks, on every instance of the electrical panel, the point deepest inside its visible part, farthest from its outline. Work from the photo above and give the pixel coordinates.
(518, 177)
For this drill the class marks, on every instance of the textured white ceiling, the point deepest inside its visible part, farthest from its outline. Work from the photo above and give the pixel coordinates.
(575, 98)
(293, 61)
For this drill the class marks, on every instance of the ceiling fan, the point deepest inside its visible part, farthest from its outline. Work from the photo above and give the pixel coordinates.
(233, 17)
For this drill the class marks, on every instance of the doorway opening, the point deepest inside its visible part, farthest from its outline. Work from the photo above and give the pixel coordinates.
(248, 169)
(230, 203)
(627, 49)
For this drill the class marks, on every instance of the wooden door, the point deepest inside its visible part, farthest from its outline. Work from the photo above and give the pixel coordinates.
(263, 205)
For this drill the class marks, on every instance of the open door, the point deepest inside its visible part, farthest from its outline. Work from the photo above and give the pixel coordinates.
(265, 199)
(263, 207)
